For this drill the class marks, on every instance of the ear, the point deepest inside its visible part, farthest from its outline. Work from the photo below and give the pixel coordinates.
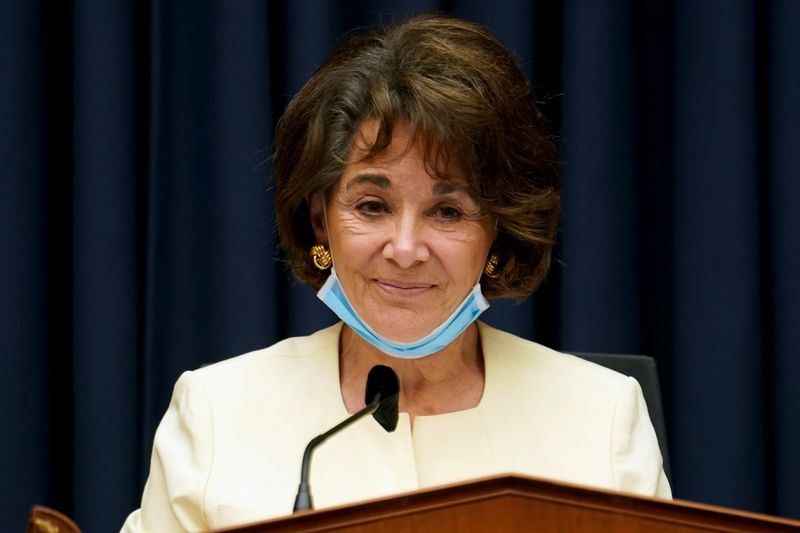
(317, 218)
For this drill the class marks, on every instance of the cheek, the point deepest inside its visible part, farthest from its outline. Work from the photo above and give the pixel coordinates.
(468, 248)
(463, 258)
(355, 248)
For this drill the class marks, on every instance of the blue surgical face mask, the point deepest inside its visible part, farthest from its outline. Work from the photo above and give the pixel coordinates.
(473, 305)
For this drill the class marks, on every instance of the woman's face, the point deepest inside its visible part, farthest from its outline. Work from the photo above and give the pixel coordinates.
(407, 247)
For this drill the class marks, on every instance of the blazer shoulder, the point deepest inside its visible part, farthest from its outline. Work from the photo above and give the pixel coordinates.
(293, 352)
(526, 356)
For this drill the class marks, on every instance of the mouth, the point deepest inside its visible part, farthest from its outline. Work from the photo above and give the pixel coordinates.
(402, 288)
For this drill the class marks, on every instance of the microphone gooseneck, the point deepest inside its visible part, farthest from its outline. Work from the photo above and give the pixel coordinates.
(382, 397)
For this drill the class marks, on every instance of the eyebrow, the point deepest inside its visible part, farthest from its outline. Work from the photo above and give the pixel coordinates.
(373, 179)
(442, 188)
(447, 187)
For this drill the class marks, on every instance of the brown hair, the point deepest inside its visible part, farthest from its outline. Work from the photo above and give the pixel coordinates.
(460, 91)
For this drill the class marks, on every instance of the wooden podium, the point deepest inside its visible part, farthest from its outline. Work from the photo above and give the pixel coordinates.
(517, 503)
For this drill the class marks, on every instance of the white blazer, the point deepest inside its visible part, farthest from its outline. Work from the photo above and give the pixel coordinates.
(228, 450)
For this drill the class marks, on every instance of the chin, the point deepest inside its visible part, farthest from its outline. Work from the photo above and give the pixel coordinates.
(399, 330)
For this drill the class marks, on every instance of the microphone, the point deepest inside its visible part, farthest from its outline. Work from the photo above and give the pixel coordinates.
(382, 397)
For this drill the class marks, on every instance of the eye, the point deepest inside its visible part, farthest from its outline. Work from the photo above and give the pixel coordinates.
(448, 212)
(371, 207)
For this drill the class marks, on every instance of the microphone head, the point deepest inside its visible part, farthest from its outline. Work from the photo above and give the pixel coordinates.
(384, 386)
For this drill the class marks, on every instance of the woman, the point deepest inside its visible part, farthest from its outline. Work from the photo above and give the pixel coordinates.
(413, 175)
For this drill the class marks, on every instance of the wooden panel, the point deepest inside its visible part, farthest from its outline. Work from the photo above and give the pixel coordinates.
(517, 504)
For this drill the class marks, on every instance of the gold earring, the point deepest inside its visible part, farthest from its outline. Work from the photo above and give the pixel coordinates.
(490, 269)
(321, 257)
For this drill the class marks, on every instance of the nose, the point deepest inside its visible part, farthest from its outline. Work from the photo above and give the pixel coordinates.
(406, 245)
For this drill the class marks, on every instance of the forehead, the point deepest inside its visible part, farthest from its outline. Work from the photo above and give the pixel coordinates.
(368, 176)
(405, 151)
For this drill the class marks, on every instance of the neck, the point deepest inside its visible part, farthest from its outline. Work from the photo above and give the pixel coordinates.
(449, 380)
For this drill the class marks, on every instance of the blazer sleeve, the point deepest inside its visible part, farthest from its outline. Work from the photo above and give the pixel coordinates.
(180, 465)
(636, 459)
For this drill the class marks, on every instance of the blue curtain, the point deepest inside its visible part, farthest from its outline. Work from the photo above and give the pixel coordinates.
(137, 235)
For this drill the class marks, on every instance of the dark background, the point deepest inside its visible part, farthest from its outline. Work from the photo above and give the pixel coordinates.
(137, 237)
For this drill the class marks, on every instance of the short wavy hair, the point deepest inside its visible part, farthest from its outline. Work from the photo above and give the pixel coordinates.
(462, 94)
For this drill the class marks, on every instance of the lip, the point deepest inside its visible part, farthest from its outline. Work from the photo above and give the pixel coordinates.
(402, 288)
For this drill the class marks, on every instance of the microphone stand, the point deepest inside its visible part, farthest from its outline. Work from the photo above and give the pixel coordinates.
(302, 502)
